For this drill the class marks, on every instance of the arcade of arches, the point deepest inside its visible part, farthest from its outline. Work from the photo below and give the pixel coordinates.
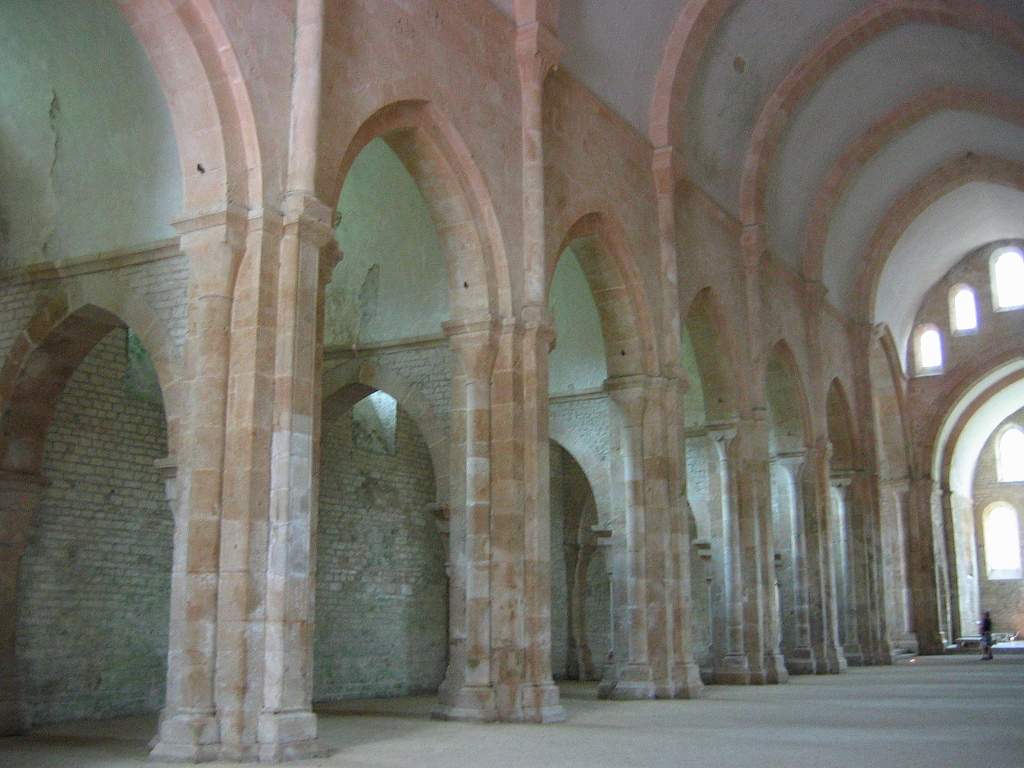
(365, 348)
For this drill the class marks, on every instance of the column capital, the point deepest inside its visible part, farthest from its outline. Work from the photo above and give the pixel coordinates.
(536, 318)
(482, 328)
(309, 218)
(538, 50)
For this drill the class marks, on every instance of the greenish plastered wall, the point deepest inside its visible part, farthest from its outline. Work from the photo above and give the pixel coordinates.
(578, 360)
(88, 160)
(392, 280)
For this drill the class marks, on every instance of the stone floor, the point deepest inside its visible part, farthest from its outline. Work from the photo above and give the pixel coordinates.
(950, 712)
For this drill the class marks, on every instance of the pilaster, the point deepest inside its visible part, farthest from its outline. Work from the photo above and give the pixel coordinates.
(467, 692)
(800, 659)
(213, 244)
(20, 497)
(731, 663)
(287, 727)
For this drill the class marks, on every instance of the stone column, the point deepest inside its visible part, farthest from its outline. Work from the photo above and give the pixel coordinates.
(684, 679)
(539, 695)
(287, 726)
(632, 676)
(731, 665)
(925, 604)
(844, 552)
(20, 497)
(800, 658)
(828, 656)
(467, 692)
(707, 585)
(189, 731)
(652, 638)
(766, 588)
(581, 662)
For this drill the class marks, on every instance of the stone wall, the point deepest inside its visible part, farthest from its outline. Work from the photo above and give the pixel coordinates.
(381, 596)
(1003, 597)
(571, 497)
(94, 584)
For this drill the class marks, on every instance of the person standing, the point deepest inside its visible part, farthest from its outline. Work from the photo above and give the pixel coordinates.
(986, 636)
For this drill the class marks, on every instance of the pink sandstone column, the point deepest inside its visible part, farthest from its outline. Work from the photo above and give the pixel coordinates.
(189, 731)
(287, 725)
(467, 692)
(632, 676)
(526, 690)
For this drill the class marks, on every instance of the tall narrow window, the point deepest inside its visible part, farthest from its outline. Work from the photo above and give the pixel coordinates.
(1010, 455)
(1002, 542)
(929, 349)
(964, 309)
(1008, 278)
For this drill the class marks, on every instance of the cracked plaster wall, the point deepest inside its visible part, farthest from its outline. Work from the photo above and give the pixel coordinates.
(392, 280)
(88, 160)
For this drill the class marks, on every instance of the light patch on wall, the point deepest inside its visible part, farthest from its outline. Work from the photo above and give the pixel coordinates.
(578, 360)
(392, 282)
(140, 379)
(375, 423)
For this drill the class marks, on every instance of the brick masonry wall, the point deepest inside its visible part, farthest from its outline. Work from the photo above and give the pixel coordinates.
(163, 283)
(424, 367)
(381, 595)
(94, 584)
(569, 492)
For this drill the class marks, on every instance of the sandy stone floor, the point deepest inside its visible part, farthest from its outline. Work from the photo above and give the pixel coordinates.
(953, 712)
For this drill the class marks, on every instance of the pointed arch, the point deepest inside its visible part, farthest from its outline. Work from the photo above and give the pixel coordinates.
(49, 350)
(680, 62)
(457, 197)
(599, 243)
(893, 437)
(841, 429)
(344, 385)
(902, 213)
(593, 466)
(783, 383)
(212, 114)
(857, 155)
(845, 40)
(707, 326)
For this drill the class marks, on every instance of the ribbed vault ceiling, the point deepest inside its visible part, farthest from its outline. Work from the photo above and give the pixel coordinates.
(618, 51)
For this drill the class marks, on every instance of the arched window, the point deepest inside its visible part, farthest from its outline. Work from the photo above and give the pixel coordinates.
(1002, 541)
(1008, 278)
(1010, 455)
(928, 349)
(963, 309)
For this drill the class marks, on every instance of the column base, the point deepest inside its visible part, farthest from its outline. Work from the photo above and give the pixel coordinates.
(187, 737)
(800, 661)
(854, 655)
(733, 669)
(12, 720)
(686, 683)
(285, 736)
(470, 703)
(831, 662)
(882, 655)
(540, 704)
(775, 669)
(630, 682)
